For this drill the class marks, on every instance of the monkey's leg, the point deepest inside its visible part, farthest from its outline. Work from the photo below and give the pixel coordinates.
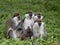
(12, 34)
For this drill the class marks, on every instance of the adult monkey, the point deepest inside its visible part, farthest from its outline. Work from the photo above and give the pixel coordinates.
(12, 24)
(28, 20)
(38, 29)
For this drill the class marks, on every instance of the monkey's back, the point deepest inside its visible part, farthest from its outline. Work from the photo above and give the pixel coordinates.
(8, 25)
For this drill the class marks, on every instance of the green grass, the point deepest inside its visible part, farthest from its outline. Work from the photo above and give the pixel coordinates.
(50, 9)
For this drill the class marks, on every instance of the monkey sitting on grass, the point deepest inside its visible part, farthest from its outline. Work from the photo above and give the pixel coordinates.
(12, 24)
(38, 29)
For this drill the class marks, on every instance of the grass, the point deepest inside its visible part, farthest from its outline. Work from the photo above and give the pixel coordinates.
(50, 9)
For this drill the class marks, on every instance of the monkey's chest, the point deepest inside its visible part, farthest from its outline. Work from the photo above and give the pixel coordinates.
(28, 23)
(37, 28)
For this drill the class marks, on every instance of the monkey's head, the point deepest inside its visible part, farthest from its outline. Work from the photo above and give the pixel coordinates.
(39, 22)
(16, 15)
(29, 13)
(39, 15)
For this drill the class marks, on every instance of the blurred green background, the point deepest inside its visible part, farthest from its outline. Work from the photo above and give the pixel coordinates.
(50, 9)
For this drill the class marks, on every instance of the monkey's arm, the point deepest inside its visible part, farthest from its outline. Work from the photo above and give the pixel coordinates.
(42, 30)
(18, 26)
(23, 20)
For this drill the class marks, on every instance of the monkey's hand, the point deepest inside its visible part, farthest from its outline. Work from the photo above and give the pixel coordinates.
(19, 21)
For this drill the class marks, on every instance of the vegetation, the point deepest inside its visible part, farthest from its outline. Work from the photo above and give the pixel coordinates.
(50, 9)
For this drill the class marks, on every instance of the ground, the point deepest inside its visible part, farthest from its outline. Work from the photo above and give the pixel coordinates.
(50, 9)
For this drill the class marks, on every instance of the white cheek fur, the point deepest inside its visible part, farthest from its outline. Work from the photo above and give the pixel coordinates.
(26, 15)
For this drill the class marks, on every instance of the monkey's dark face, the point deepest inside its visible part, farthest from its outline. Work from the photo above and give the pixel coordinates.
(39, 16)
(30, 15)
